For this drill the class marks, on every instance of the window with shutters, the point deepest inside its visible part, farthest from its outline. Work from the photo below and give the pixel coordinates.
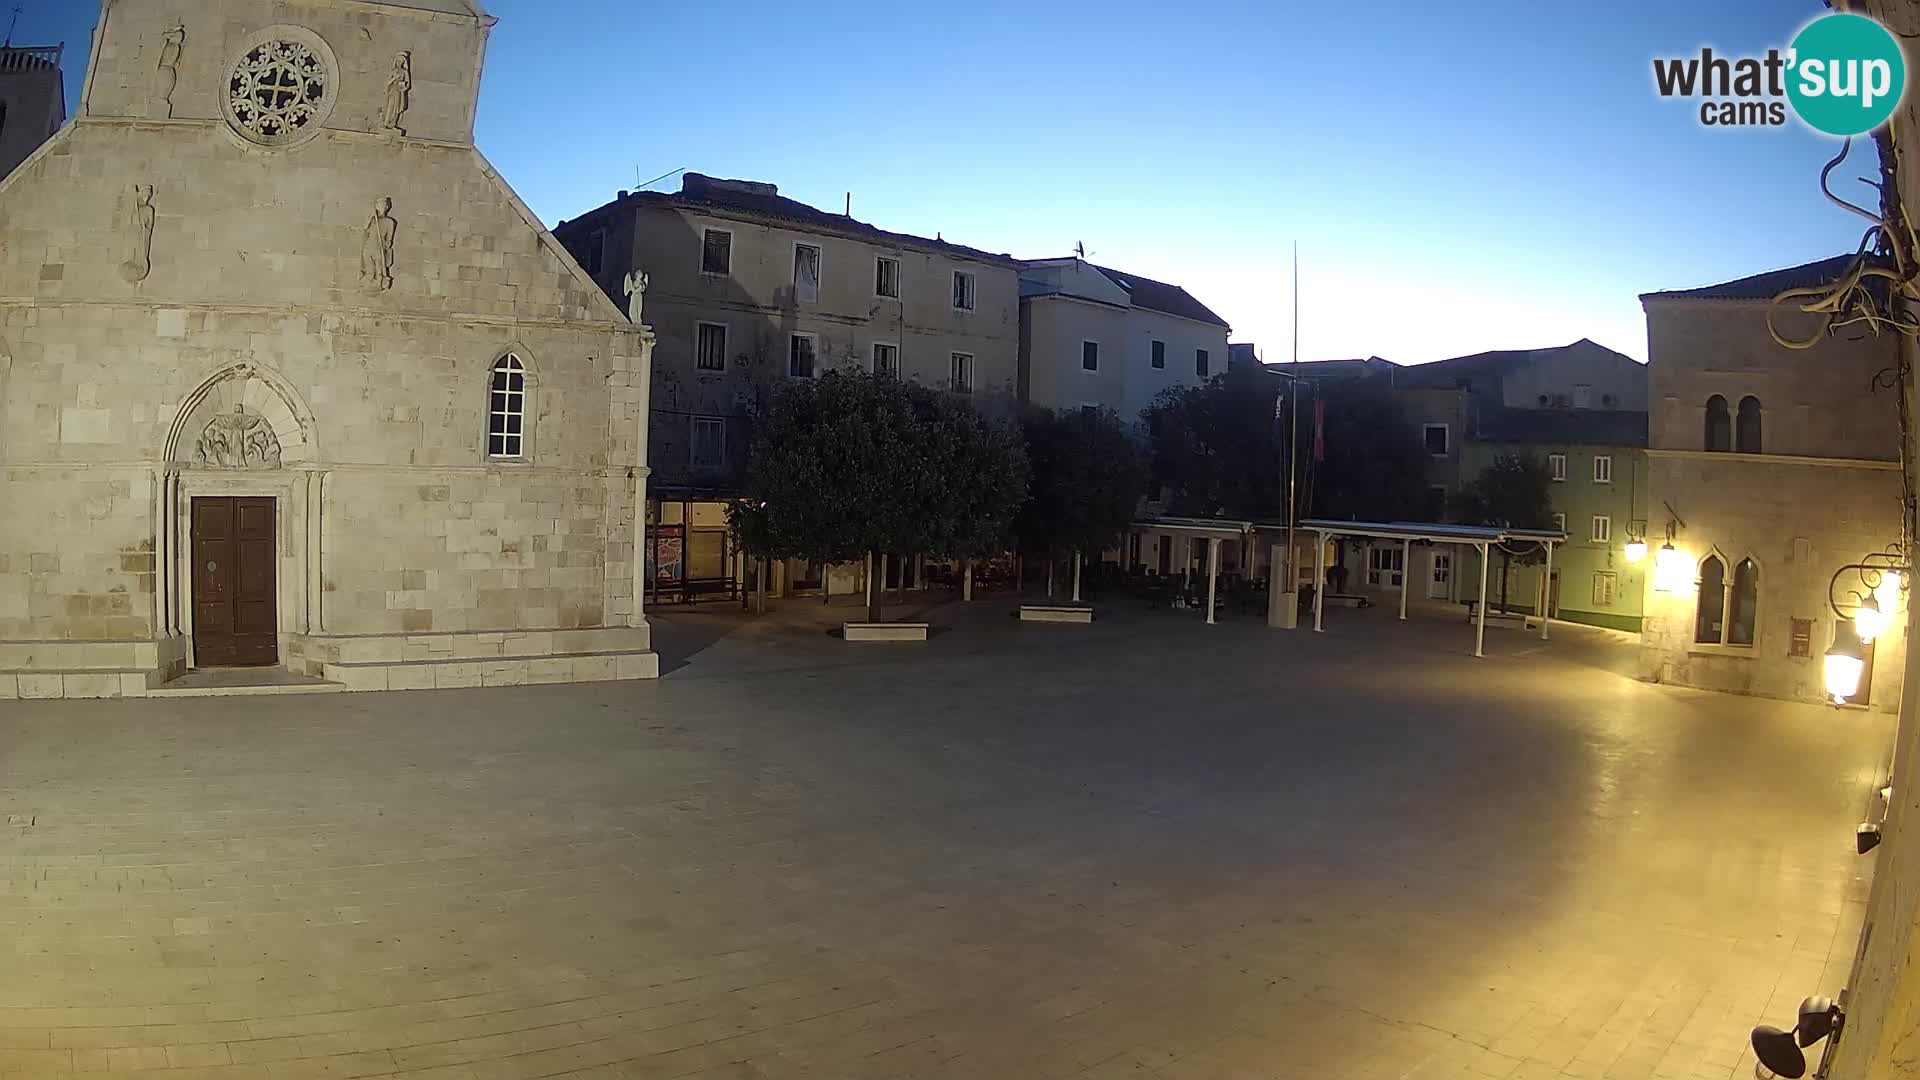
(962, 373)
(710, 350)
(962, 290)
(1090, 356)
(886, 278)
(1201, 364)
(1160, 354)
(886, 359)
(708, 446)
(1602, 529)
(716, 252)
(1557, 466)
(1603, 469)
(1603, 587)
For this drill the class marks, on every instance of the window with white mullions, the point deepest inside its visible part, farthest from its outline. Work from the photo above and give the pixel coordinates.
(886, 359)
(962, 290)
(507, 409)
(886, 277)
(1385, 566)
(1602, 529)
(1602, 469)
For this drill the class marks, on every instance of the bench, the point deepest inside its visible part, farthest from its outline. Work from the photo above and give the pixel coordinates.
(884, 631)
(1057, 613)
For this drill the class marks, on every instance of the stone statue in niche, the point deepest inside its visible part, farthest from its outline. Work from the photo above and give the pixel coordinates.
(399, 92)
(636, 289)
(376, 248)
(139, 236)
(167, 75)
(238, 440)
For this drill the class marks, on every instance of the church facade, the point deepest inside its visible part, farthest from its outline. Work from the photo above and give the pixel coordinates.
(289, 377)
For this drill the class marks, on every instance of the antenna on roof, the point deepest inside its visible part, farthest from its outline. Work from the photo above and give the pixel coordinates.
(12, 24)
(657, 179)
(1080, 249)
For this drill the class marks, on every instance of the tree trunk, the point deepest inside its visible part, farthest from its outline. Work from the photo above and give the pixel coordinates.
(1051, 560)
(873, 595)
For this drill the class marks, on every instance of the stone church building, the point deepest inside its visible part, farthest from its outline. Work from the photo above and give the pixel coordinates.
(289, 376)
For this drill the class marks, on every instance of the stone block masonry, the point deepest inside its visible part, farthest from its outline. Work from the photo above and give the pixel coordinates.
(198, 311)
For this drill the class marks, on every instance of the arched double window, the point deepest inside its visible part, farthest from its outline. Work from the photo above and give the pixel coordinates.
(1719, 433)
(507, 408)
(1727, 610)
(1746, 426)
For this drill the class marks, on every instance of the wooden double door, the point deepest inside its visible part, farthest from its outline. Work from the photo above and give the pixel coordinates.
(234, 623)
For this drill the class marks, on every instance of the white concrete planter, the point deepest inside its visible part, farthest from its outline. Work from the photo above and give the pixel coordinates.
(1059, 613)
(884, 631)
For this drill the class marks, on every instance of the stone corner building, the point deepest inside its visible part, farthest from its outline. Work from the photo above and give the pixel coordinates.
(289, 376)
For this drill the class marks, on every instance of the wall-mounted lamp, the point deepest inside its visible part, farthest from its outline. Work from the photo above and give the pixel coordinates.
(1875, 599)
(1636, 550)
(1672, 570)
(1844, 663)
(1888, 591)
(1868, 619)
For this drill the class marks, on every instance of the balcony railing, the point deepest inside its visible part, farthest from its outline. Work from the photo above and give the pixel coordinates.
(30, 57)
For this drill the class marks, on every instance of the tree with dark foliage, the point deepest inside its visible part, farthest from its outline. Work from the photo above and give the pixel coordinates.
(852, 465)
(1515, 492)
(1085, 483)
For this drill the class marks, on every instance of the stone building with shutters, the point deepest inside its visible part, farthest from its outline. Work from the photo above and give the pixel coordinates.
(749, 290)
(290, 377)
(1769, 471)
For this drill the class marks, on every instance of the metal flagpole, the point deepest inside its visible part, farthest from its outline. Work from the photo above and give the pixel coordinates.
(1293, 418)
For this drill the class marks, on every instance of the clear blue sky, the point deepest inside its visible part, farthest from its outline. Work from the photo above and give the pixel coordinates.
(1459, 177)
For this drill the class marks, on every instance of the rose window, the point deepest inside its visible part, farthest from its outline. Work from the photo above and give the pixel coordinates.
(278, 91)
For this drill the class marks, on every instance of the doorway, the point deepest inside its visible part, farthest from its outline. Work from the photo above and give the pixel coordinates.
(1440, 576)
(234, 616)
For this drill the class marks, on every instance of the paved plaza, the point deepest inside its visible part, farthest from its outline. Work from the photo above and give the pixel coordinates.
(1145, 848)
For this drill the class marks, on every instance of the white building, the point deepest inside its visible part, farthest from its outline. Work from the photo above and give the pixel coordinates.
(1093, 336)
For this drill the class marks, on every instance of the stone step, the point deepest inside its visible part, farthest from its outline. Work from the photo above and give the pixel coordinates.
(495, 671)
(43, 684)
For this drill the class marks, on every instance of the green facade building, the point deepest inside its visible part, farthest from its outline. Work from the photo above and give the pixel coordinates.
(1598, 460)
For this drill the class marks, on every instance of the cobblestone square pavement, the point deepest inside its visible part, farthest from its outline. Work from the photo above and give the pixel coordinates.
(1143, 848)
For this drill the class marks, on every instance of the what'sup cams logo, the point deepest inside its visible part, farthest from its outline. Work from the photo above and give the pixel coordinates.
(1843, 74)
